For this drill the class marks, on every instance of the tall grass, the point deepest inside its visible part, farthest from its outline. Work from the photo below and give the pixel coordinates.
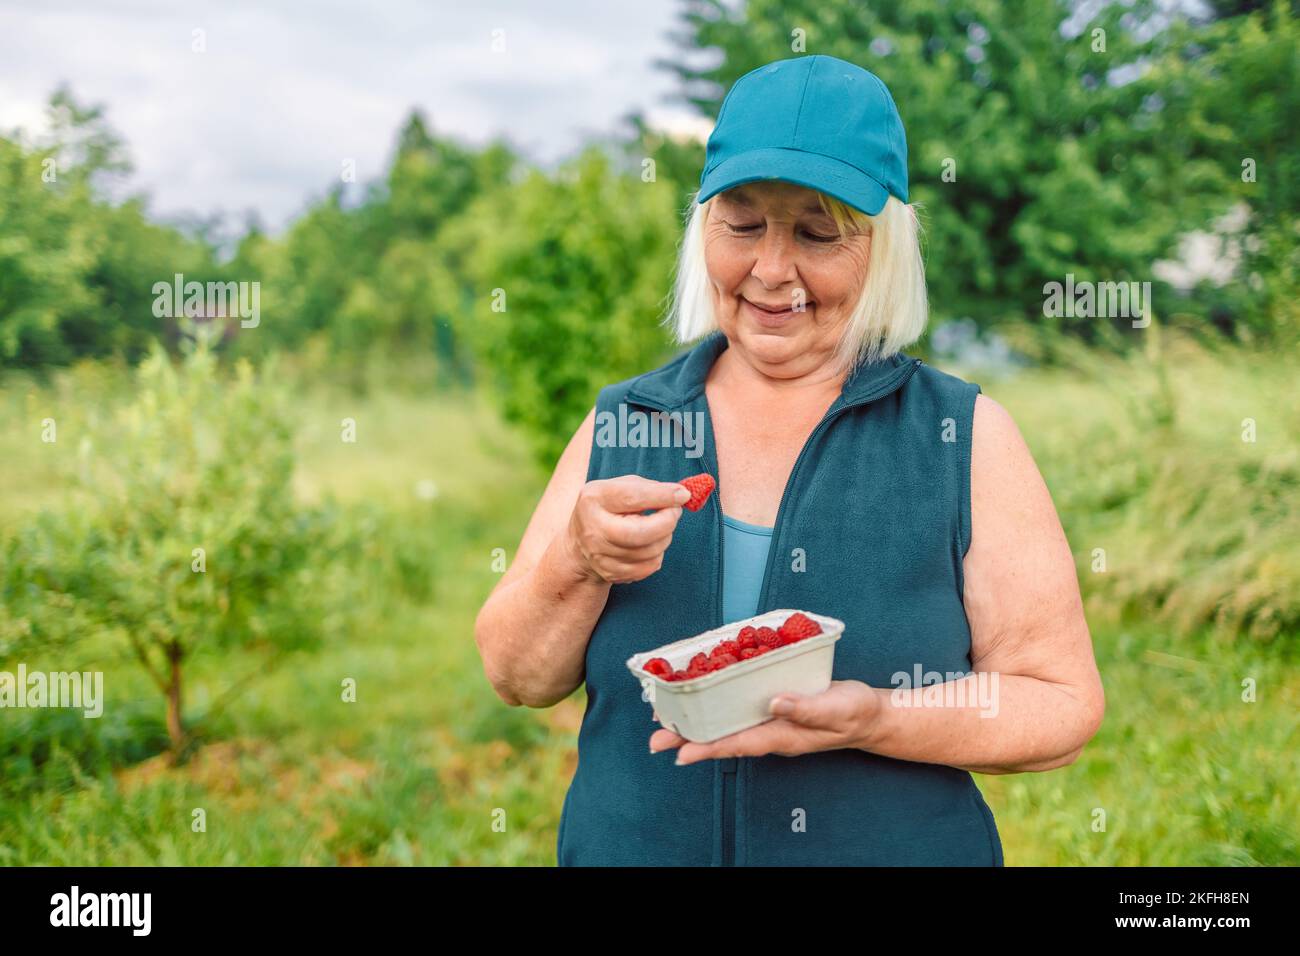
(1176, 472)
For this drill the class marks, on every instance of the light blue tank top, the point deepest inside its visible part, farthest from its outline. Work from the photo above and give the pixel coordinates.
(744, 559)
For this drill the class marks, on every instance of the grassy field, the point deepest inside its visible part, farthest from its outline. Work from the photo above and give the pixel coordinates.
(419, 767)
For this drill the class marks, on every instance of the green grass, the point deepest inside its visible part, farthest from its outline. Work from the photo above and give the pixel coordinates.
(417, 770)
(409, 773)
(1185, 772)
(1147, 463)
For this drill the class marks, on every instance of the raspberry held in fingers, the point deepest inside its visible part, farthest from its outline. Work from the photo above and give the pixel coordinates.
(700, 486)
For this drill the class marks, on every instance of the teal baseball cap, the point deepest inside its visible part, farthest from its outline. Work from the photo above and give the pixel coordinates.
(817, 121)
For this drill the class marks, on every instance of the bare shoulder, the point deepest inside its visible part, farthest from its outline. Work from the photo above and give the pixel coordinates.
(1005, 480)
(995, 437)
(557, 500)
(1011, 506)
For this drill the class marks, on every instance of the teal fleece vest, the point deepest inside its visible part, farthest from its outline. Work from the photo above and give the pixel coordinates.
(872, 529)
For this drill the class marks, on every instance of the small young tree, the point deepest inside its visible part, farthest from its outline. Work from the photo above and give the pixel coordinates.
(191, 539)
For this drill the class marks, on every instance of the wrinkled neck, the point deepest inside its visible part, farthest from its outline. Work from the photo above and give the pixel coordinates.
(734, 373)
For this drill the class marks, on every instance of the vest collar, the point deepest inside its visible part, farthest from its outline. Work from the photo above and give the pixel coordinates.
(681, 380)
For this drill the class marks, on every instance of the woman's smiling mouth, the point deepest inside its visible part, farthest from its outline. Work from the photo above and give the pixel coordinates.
(772, 316)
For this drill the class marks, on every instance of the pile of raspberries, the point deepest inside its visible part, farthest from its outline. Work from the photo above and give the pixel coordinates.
(750, 642)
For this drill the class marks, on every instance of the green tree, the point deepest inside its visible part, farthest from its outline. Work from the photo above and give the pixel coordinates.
(76, 269)
(1247, 74)
(190, 541)
(368, 277)
(1041, 141)
(564, 281)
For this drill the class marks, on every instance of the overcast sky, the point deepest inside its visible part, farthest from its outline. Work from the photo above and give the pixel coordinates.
(285, 91)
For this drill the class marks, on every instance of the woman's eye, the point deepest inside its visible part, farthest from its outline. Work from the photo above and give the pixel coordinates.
(815, 237)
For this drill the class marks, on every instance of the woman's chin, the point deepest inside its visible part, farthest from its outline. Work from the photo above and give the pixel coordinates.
(773, 346)
(768, 334)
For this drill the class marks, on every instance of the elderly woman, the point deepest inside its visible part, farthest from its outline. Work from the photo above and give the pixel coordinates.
(852, 481)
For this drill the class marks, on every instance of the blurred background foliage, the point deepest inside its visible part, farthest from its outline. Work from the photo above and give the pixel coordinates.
(1042, 142)
(462, 313)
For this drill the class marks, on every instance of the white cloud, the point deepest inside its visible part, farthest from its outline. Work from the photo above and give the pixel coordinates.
(285, 92)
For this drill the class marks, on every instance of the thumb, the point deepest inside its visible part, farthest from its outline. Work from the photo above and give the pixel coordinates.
(801, 709)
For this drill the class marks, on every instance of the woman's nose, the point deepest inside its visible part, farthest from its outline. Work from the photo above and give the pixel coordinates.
(774, 257)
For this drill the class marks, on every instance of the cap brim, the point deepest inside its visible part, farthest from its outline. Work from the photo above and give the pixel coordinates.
(823, 173)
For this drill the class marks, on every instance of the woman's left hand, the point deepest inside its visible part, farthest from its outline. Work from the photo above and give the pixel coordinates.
(843, 715)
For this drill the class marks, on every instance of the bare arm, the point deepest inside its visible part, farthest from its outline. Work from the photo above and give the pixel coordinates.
(1027, 626)
(533, 629)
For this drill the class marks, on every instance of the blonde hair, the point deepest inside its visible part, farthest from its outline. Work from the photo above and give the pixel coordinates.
(890, 314)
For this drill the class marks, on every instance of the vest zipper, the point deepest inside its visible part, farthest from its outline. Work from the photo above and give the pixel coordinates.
(730, 798)
(729, 766)
(832, 414)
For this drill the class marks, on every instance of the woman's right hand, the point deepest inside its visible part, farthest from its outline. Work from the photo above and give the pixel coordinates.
(609, 536)
(533, 629)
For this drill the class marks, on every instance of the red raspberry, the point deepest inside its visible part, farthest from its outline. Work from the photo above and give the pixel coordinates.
(700, 664)
(722, 660)
(700, 486)
(747, 652)
(768, 638)
(678, 675)
(798, 626)
(658, 666)
(746, 637)
(726, 647)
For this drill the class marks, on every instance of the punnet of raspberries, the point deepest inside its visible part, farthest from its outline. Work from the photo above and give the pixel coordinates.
(749, 643)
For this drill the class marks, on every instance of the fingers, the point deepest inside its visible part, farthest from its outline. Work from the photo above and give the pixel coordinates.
(639, 531)
(632, 494)
(639, 555)
(624, 572)
(664, 739)
(773, 737)
(839, 708)
(616, 540)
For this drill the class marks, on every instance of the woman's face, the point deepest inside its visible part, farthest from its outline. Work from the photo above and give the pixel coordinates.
(784, 282)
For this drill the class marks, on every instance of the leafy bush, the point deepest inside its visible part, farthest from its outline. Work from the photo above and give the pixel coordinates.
(191, 539)
(49, 749)
(77, 270)
(582, 263)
